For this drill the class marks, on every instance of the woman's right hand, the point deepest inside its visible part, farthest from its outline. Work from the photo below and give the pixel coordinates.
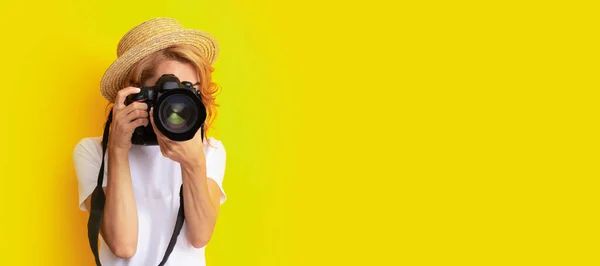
(126, 118)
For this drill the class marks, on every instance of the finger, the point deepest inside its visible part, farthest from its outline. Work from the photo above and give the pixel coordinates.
(139, 106)
(134, 106)
(163, 147)
(122, 94)
(135, 114)
(138, 123)
(131, 108)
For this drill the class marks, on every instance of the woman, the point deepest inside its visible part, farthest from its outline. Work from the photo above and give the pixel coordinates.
(142, 183)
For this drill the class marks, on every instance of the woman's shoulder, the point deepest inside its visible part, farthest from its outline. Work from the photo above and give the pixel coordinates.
(90, 142)
(89, 145)
(214, 144)
(214, 147)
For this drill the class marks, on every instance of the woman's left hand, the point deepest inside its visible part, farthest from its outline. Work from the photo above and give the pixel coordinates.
(188, 153)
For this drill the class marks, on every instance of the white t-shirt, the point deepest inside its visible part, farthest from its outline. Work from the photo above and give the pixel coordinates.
(156, 182)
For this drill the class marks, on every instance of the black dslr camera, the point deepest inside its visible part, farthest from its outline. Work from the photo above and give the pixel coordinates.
(178, 110)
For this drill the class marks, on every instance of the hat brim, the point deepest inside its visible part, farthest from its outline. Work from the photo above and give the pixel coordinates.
(117, 72)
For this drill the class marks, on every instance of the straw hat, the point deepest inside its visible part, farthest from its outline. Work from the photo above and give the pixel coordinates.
(146, 38)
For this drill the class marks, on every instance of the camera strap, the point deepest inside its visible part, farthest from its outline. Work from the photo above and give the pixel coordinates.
(97, 208)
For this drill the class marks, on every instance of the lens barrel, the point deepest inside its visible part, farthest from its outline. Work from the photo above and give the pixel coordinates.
(178, 110)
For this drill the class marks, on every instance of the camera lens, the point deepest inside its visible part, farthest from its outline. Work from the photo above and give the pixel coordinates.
(178, 113)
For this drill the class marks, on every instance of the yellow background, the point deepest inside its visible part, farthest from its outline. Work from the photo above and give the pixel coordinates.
(357, 132)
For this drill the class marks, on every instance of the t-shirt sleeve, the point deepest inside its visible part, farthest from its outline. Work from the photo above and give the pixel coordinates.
(86, 159)
(215, 164)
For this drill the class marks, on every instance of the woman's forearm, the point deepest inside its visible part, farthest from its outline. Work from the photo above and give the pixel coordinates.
(200, 213)
(120, 221)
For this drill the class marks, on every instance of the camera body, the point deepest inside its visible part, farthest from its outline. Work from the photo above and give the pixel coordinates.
(178, 110)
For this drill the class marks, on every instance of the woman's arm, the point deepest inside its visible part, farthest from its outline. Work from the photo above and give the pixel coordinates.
(120, 221)
(201, 197)
(119, 226)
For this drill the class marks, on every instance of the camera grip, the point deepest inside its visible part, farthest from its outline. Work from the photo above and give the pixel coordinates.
(138, 135)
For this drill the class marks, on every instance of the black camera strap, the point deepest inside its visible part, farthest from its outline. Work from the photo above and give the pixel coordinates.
(97, 207)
